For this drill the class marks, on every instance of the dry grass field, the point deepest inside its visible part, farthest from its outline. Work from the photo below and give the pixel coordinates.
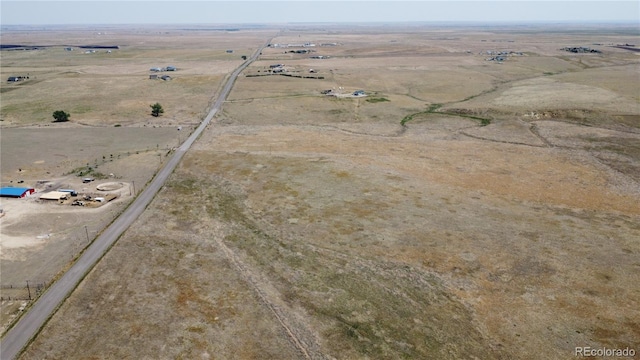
(463, 208)
(110, 130)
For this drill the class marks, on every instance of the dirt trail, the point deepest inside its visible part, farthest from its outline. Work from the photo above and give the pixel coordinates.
(269, 297)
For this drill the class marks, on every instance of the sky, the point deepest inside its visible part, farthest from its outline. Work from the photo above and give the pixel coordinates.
(92, 12)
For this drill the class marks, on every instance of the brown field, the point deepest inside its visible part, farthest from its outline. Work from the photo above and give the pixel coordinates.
(464, 208)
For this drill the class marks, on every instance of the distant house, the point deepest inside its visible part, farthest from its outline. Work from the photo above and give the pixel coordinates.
(171, 68)
(229, 51)
(16, 78)
(165, 77)
(68, 49)
(15, 192)
(153, 76)
(359, 93)
(155, 69)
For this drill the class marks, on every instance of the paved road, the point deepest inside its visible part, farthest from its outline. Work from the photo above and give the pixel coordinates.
(28, 326)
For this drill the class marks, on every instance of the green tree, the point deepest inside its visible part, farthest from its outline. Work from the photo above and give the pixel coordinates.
(156, 109)
(244, 57)
(60, 116)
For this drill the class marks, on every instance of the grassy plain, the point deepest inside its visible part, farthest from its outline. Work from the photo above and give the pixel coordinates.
(111, 131)
(498, 222)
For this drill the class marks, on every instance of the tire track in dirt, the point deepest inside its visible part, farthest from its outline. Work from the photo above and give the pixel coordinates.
(300, 337)
(398, 133)
(500, 141)
(533, 129)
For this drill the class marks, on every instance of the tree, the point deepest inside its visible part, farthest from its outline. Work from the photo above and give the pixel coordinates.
(156, 109)
(60, 116)
(244, 57)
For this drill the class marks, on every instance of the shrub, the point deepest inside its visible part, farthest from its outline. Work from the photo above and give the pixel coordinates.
(60, 116)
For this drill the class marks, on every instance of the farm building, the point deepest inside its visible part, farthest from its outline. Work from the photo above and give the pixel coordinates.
(15, 192)
(54, 195)
(70, 191)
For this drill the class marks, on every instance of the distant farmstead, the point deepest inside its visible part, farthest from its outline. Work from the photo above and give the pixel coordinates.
(17, 78)
(15, 192)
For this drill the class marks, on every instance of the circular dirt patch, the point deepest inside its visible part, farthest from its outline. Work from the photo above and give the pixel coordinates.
(110, 186)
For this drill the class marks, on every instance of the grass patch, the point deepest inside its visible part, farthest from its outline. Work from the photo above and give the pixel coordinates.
(431, 109)
(81, 109)
(377, 100)
(87, 170)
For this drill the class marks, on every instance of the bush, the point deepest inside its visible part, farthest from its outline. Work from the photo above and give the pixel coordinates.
(60, 116)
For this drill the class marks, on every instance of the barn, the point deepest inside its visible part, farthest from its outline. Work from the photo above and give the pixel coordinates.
(16, 192)
(54, 195)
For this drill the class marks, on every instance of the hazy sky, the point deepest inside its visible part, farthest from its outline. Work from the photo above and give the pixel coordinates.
(26, 12)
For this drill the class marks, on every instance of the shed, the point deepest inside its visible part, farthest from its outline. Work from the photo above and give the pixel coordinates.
(54, 195)
(70, 191)
(153, 76)
(16, 192)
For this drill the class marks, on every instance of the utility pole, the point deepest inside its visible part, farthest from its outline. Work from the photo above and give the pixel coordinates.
(134, 187)
(87, 232)
(28, 290)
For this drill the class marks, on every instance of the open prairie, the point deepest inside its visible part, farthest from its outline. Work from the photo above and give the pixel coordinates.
(479, 201)
(111, 135)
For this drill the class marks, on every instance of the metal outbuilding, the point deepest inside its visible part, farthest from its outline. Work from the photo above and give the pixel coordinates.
(16, 192)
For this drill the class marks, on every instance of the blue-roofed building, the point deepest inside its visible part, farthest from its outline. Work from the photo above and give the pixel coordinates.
(16, 192)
